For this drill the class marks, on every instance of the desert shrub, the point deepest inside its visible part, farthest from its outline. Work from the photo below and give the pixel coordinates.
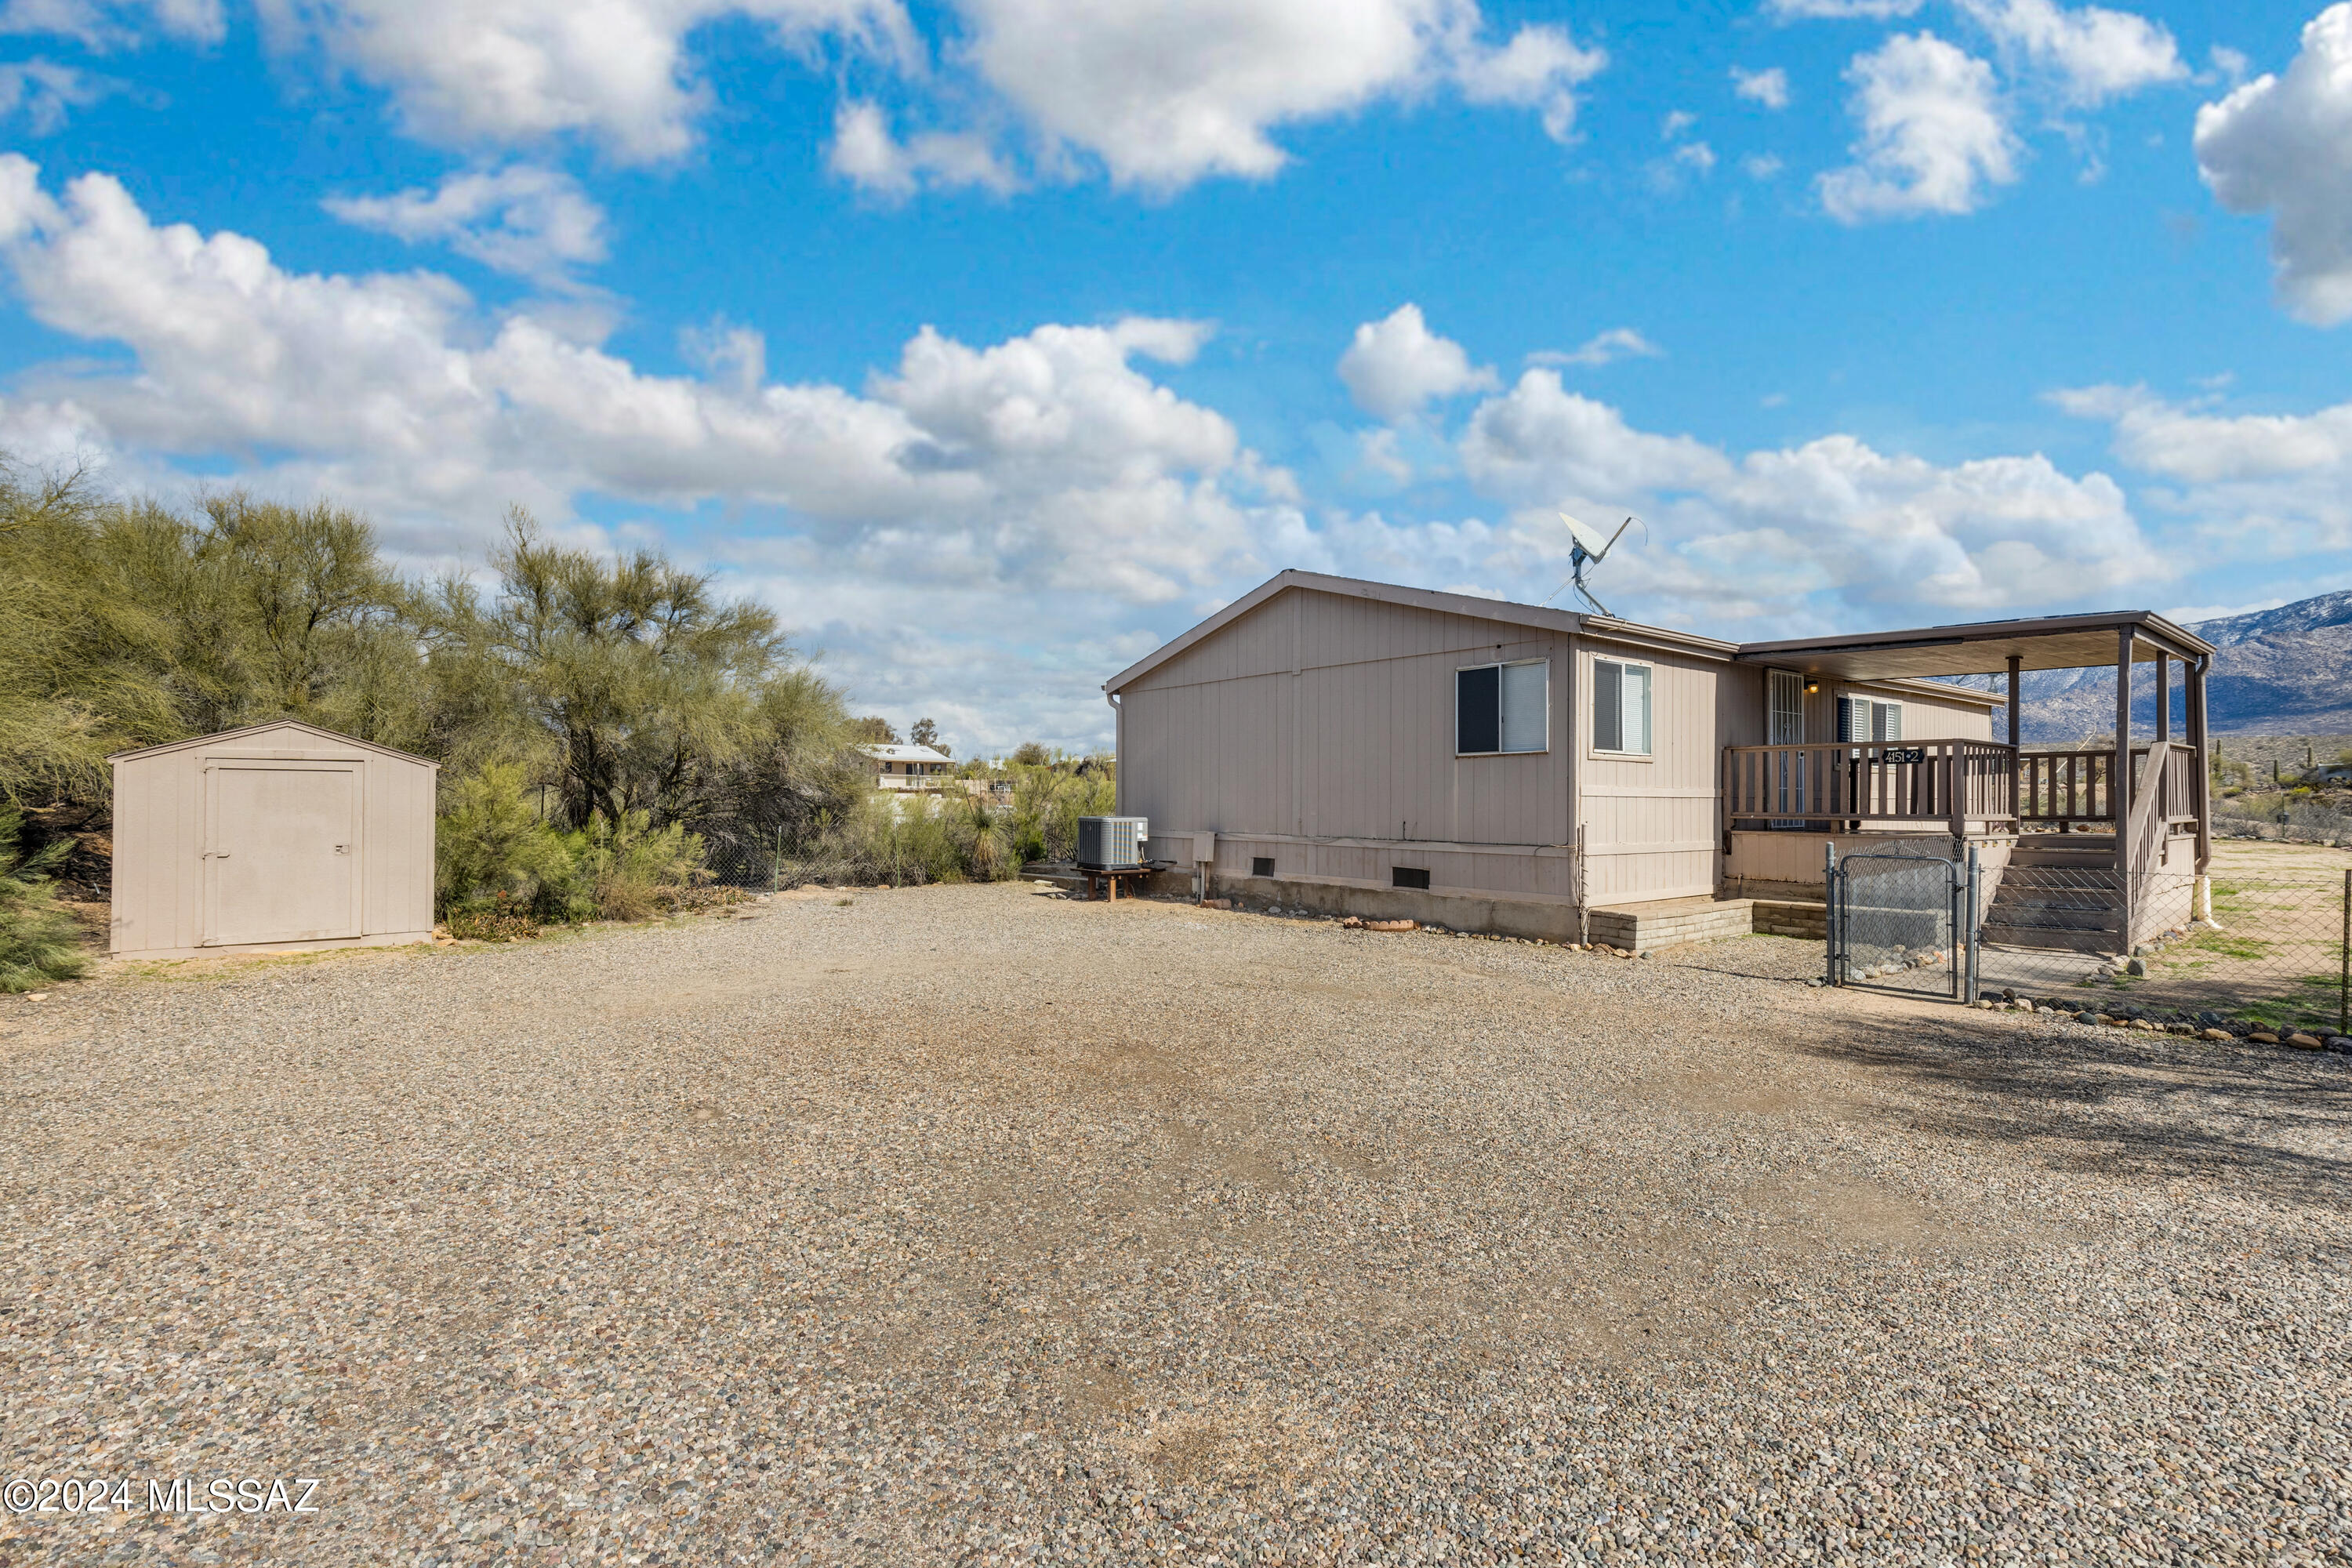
(983, 837)
(903, 841)
(39, 941)
(492, 848)
(630, 869)
(1047, 802)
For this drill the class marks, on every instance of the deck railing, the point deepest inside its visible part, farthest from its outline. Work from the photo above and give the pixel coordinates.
(2068, 787)
(1949, 781)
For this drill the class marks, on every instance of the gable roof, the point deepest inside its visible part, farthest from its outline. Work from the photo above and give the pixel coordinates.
(251, 731)
(1541, 617)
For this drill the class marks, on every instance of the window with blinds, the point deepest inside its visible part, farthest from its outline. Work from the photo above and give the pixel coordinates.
(1621, 707)
(1502, 707)
(1862, 719)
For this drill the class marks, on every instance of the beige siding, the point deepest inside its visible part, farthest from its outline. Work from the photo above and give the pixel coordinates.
(1924, 718)
(1318, 731)
(163, 799)
(1652, 828)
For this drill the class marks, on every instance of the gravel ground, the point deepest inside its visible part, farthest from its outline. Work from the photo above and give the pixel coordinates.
(970, 1225)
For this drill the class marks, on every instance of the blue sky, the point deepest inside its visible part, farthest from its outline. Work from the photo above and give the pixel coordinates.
(994, 341)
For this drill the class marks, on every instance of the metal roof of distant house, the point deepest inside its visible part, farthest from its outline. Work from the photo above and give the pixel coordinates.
(905, 753)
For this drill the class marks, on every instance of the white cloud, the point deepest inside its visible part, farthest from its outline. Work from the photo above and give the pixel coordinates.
(1760, 165)
(1933, 134)
(864, 152)
(2095, 54)
(1539, 68)
(500, 72)
(44, 92)
(1768, 87)
(1842, 10)
(1397, 365)
(2273, 483)
(1166, 93)
(1162, 92)
(1540, 439)
(1759, 534)
(1045, 461)
(1675, 123)
(2282, 144)
(116, 24)
(1380, 452)
(1601, 348)
(536, 223)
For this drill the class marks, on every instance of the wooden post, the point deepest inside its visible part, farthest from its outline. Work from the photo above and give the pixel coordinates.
(2119, 792)
(2163, 698)
(2202, 791)
(2016, 755)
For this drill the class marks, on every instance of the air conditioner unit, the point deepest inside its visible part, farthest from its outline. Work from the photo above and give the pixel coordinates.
(1111, 843)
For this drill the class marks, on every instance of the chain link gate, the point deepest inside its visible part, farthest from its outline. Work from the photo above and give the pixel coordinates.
(1903, 922)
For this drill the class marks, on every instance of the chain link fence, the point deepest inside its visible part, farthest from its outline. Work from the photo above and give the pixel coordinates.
(2256, 946)
(1892, 918)
(905, 842)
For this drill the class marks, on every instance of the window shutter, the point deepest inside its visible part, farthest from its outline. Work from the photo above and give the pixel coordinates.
(1478, 711)
(1525, 697)
(1608, 705)
(1853, 718)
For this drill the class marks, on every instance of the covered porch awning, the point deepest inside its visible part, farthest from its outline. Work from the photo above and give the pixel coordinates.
(1984, 647)
(2136, 791)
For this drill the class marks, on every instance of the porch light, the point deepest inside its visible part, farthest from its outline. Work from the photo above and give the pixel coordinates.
(1813, 686)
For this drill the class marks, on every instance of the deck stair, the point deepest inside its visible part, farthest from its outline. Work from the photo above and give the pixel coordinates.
(2061, 891)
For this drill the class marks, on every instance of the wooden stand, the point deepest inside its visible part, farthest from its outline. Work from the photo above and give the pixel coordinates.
(1104, 884)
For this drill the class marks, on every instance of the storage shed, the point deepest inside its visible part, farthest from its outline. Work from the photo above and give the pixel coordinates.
(281, 836)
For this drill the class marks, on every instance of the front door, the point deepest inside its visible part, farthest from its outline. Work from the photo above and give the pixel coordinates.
(281, 852)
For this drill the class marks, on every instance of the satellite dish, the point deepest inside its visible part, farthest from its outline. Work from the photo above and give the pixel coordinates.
(1587, 548)
(1587, 536)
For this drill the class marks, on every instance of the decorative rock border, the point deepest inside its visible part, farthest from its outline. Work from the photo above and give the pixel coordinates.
(2212, 1026)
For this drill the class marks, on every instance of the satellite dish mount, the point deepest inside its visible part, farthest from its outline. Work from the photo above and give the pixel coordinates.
(1587, 548)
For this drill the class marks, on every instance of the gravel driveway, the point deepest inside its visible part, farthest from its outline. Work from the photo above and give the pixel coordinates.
(970, 1225)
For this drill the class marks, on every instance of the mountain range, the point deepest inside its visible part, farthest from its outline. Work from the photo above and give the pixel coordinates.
(2284, 671)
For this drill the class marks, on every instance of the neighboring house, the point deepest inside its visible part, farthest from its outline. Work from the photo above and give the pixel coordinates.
(908, 767)
(1511, 767)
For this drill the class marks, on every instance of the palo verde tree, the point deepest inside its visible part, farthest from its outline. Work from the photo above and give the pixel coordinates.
(635, 687)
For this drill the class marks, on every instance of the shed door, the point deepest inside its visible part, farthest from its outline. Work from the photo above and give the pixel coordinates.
(281, 852)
